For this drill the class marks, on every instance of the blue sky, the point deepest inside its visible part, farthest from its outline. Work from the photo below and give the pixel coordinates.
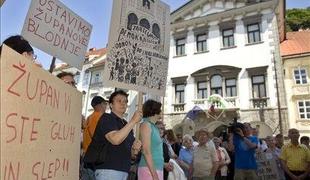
(96, 12)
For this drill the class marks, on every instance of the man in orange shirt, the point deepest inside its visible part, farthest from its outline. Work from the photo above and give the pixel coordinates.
(99, 104)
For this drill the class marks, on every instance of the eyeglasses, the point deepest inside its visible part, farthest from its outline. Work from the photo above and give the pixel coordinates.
(34, 56)
(72, 83)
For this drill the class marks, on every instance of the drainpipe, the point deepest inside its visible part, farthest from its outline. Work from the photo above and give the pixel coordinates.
(88, 91)
(278, 98)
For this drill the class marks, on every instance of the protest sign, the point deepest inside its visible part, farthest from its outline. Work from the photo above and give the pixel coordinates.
(40, 122)
(267, 166)
(55, 29)
(138, 48)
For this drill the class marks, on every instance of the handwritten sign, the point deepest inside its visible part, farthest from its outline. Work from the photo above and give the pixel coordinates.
(55, 29)
(40, 122)
(138, 48)
(267, 167)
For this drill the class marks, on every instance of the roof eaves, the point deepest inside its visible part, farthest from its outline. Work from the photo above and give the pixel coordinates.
(176, 10)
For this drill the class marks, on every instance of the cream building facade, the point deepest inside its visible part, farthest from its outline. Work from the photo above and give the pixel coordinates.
(295, 51)
(228, 48)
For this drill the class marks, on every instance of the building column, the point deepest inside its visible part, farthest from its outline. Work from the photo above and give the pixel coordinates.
(240, 34)
(208, 86)
(223, 87)
(244, 89)
(172, 45)
(190, 42)
(264, 27)
(214, 37)
(189, 94)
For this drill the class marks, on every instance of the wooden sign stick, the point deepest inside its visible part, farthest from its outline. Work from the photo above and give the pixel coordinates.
(140, 100)
(52, 66)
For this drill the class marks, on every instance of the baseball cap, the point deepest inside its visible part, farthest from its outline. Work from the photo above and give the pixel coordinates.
(97, 100)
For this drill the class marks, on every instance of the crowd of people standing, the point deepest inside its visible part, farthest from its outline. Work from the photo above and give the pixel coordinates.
(158, 154)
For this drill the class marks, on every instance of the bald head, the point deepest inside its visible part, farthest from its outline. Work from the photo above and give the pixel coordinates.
(293, 134)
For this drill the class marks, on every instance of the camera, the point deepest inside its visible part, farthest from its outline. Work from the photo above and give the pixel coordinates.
(232, 128)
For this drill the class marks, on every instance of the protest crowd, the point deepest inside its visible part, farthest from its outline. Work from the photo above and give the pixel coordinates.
(111, 151)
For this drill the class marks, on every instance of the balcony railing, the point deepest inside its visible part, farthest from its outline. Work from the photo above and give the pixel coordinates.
(229, 103)
(96, 84)
(260, 102)
(179, 107)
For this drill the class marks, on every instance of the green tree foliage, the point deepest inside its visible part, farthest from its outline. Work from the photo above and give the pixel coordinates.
(297, 19)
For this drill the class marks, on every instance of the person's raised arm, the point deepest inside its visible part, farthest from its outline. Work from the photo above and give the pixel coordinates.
(246, 140)
(118, 136)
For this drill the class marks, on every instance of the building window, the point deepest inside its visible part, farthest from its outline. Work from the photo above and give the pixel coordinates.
(85, 78)
(228, 37)
(259, 87)
(216, 85)
(304, 109)
(179, 93)
(77, 77)
(300, 76)
(231, 88)
(202, 90)
(201, 42)
(180, 47)
(145, 23)
(253, 33)
(96, 78)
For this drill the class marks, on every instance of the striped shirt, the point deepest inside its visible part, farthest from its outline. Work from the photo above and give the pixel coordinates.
(296, 157)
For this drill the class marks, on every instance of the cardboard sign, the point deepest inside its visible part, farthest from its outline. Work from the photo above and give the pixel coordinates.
(55, 29)
(40, 122)
(267, 167)
(138, 48)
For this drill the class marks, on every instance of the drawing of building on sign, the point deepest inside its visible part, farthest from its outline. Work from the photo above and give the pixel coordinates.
(139, 46)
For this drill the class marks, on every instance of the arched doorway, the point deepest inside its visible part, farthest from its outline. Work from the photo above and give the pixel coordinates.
(217, 127)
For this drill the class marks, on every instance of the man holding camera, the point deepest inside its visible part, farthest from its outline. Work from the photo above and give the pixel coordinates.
(244, 145)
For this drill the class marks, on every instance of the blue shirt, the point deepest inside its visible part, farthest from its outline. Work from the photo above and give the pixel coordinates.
(186, 155)
(245, 156)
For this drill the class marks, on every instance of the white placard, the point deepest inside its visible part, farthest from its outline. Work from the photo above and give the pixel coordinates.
(55, 29)
(138, 48)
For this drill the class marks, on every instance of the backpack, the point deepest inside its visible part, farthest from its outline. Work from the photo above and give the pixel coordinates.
(96, 152)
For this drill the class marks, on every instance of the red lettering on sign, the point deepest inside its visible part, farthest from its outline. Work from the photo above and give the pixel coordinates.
(67, 103)
(40, 12)
(27, 88)
(11, 173)
(20, 129)
(33, 132)
(40, 171)
(11, 126)
(23, 71)
(43, 89)
(62, 132)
